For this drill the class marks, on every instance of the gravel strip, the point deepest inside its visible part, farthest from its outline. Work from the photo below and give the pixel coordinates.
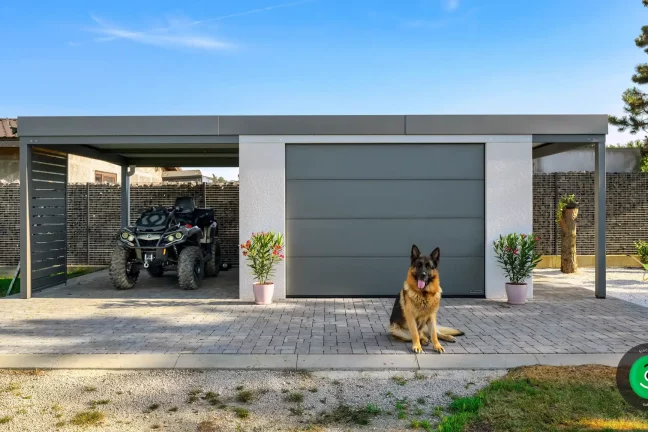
(622, 283)
(162, 400)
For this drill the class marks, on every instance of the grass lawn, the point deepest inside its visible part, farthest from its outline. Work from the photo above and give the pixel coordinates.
(72, 272)
(546, 398)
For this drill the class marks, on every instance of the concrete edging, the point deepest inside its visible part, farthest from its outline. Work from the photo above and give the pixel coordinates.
(299, 361)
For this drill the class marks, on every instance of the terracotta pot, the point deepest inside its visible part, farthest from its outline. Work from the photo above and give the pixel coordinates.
(516, 293)
(263, 293)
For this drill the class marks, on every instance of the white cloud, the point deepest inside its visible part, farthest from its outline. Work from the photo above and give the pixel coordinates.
(450, 5)
(168, 37)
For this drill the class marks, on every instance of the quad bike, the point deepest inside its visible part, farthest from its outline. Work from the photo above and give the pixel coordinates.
(182, 237)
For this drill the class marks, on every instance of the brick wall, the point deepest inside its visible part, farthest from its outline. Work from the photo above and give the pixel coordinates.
(627, 210)
(100, 204)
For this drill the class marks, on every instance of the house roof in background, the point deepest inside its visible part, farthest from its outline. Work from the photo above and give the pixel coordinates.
(8, 128)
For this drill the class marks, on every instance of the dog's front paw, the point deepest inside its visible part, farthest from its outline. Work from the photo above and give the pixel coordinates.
(424, 340)
(438, 348)
(417, 349)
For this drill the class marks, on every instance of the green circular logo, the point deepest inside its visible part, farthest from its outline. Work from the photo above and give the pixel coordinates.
(638, 377)
(632, 377)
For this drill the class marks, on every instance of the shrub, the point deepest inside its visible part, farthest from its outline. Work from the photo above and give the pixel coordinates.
(642, 250)
(564, 201)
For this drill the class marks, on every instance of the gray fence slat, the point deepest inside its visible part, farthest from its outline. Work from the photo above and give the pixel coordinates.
(47, 193)
(46, 282)
(37, 220)
(40, 177)
(48, 246)
(48, 271)
(48, 158)
(48, 202)
(48, 211)
(49, 168)
(39, 238)
(46, 263)
(48, 229)
(39, 256)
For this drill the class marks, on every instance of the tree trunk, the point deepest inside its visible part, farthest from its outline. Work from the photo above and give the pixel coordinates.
(568, 262)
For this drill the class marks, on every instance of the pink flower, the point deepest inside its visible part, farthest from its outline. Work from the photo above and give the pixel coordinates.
(281, 256)
(523, 235)
(537, 238)
(516, 251)
(245, 253)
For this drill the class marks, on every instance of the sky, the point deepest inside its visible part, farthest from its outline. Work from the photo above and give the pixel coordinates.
(152, 57)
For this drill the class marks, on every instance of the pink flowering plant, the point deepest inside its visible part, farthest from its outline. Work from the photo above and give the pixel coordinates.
(262, 252)
(517, 256)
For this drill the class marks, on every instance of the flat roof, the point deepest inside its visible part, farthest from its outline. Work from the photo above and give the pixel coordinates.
(103, 126)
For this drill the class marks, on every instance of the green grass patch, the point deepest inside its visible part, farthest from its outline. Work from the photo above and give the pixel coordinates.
(399, 380)
(245, 396)
(349, 415)
(89, 389)
(88, 418)
(241, 412)
(544, 399)
(295, 397)
(5, 419)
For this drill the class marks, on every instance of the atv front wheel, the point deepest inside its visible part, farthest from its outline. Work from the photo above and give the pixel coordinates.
(213, 264)
(121, 275)
(155, 270)
(190, 268)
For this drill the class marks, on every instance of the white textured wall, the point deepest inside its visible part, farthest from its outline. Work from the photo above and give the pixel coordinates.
(509, 206)
(262, 201)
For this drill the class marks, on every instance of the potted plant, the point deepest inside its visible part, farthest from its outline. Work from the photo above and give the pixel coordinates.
(262, 251)
(517, 256)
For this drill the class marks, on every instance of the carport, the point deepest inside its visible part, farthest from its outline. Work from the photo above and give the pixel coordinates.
(302, 174)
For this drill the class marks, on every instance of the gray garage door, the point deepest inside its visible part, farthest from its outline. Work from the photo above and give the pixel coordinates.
(354, 211)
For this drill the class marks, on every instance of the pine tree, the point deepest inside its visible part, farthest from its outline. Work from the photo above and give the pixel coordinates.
(636, 101)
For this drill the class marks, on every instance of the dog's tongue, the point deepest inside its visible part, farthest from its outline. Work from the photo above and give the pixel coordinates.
(421, 284)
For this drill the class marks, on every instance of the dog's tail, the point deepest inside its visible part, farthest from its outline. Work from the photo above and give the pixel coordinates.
(449, 331)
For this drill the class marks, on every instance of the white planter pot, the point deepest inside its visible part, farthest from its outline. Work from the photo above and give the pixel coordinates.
(516, 293)
(263, 293)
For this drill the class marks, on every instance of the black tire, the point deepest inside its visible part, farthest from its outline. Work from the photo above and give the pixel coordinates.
(191, 268)
(155, 270)
(213, 264)
(120, 276)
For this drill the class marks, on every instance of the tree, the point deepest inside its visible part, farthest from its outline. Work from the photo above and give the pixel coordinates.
(221, 179)
(636, 101)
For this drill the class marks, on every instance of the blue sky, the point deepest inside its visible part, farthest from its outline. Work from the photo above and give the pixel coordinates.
(318, 57)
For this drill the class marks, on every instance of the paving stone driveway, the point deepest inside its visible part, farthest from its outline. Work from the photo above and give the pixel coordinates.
(88, 316)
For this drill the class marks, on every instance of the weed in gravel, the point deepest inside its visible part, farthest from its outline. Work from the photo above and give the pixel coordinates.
(304, 373)
(284, 390)
(194, 392)
(470, 384)
(245, 396)
(419, 411)
(59, 424)
(222, 406)
(174, 409)
(337, 382)
(151, 408)
(372, 409)
(12, 387)
(88, 418)
(89, 389)
(323, 400)
(451, 395)
(295, 397)
(94, 403)
(57, 408)
(437, 412)
(296, 411)
(211, 395)
(420, 401)
(313, 390)
(241, 412)
(239, 388)
(120, 392)
(5, 419)
(421, 424)
(401, 415)
(207, 426)
(347, 414)
(156, 426)
(59, 415)
(21, 411)
(419, 375)
(26, 397)
(399, 380)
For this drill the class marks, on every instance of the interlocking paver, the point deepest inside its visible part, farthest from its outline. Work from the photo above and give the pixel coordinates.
(90, 317)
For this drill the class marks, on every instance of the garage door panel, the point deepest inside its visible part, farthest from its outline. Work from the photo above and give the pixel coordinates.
(366, 199)
(384, 237)
(389, 162)
(377, 276)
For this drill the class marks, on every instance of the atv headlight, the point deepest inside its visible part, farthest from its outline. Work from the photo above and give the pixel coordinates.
(131, 237)
(178, 235)
(124, 235)
(170, 237)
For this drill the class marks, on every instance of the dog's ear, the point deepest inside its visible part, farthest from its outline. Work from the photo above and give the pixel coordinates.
(436, 255)
(416, 253)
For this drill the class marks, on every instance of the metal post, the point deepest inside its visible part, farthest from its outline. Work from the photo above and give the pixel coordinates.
(25, 220)
(125, 196)
(88, 223)
(599, 218)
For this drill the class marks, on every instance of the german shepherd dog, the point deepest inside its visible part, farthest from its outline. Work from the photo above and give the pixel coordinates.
(414, 317)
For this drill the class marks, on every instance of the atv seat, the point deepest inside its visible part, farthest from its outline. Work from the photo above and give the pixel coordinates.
(186, 204)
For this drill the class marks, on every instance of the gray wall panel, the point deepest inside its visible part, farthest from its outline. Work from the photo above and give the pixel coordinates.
(376, 161)
(377, 276)
(384, 237)
(313, 125)
(340, 199)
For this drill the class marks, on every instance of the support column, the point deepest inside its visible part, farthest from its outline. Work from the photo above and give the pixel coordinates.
(25, 222)
(599, 218)
(125, 196)
(262, 201)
